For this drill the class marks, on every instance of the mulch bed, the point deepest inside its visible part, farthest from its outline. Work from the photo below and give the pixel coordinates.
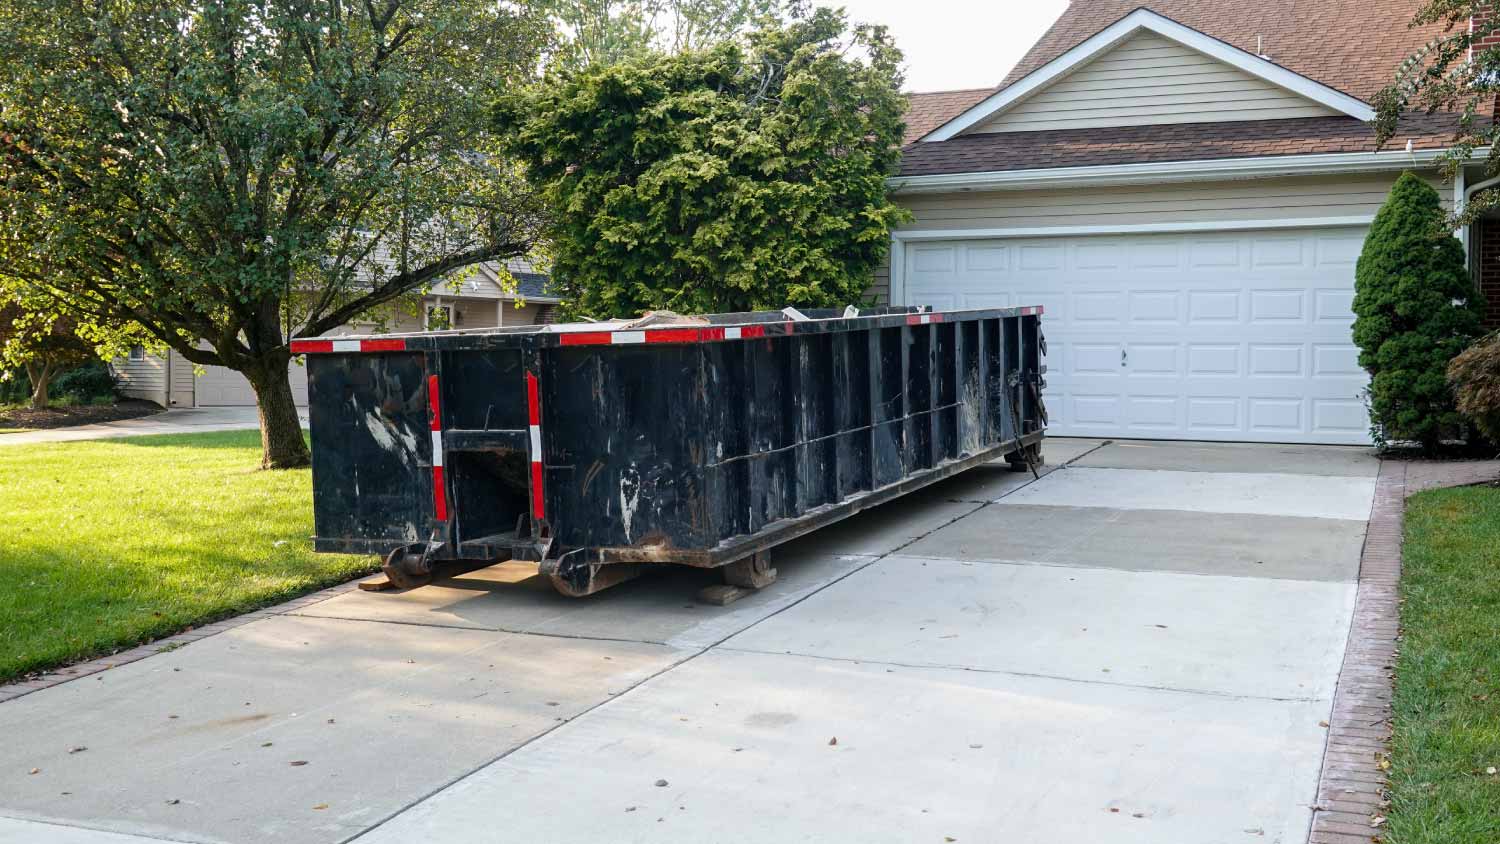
(67, 417)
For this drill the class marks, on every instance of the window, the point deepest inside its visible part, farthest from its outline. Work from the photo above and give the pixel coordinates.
(439, 317)
(137, 352)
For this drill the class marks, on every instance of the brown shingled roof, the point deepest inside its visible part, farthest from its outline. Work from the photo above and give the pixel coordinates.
(999, 151)
(1351, 45)
(928, 110)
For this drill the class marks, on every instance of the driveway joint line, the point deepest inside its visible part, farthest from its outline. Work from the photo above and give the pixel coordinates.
(1028, 674)
(143, 836)
(677, 664)
(1083, 567)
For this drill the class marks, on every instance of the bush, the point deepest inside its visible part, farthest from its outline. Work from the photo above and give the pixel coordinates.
(86, 384)
(1475, 376)
(1415, 308)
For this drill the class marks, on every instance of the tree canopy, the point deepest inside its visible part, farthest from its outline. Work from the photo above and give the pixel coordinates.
(230, 174)
(607, 31)
(1456, 72)
(747, 175)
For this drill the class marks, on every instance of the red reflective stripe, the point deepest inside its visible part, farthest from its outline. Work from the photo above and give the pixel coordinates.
(302, 347)
(586, 338)
(913, 320)
(672, 335)
(435, 416)
(382, 345)
(710, 334)
(439, 495)
(538, 509)
(533, 404)
(750, 332)
(937, 317)
(790, 327)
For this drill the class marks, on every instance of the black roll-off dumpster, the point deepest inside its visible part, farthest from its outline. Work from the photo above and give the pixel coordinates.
(598, 448)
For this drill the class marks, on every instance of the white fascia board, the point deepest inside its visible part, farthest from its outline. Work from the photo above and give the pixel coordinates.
(1173, 171)
(1167, 28)
(910, 235)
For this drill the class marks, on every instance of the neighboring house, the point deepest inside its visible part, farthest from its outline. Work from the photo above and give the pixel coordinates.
(475, 300)
(1185, 185)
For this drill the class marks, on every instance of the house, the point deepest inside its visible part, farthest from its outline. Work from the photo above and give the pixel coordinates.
(1185, 186)
(479, 298)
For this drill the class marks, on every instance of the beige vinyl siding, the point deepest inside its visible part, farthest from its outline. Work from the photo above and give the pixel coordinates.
(1268, 199)
(142, 379)
(1148, 79)
(182, 382)
(1196, 202)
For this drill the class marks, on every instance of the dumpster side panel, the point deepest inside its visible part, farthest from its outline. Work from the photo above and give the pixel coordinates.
(371, 451)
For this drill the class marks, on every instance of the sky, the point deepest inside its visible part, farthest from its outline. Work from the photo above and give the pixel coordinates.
(957, 43)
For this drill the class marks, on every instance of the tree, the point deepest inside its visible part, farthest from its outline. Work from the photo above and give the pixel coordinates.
(34, 336)
(1415, 307)
(1456, 72)
(750, 175)
(231, 174)
(608, 31)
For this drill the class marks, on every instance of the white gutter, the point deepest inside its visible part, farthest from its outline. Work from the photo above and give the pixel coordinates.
(1172, 171)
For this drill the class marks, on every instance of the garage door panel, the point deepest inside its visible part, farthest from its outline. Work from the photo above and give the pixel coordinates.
(1230, 336)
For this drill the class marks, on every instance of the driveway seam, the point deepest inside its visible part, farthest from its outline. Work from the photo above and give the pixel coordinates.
(1028, 674)
(1351, 780)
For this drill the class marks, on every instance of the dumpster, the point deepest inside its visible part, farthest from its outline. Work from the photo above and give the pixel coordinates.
(597, 449)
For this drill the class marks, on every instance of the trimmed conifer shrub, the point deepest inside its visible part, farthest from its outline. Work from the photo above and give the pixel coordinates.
(1415, 309)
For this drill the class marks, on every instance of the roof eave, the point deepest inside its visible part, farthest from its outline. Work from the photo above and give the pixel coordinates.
(1172, 171)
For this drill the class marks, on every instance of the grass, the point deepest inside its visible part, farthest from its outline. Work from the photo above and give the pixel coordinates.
(1445, 761)
(108, 543)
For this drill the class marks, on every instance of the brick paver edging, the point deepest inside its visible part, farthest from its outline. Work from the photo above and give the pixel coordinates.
(1351, 788)
(62, 675)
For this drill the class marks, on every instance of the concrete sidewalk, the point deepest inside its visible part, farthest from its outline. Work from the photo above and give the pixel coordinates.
(176, 421)
(994, 658)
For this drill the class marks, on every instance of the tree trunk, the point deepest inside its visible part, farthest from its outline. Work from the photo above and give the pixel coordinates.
(41, 378)
(281, 442)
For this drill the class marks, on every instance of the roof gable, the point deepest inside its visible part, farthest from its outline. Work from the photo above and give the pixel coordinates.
(1147, 79)
(1276, 81)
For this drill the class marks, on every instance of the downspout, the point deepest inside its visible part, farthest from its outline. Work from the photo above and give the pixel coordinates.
(1461, 197)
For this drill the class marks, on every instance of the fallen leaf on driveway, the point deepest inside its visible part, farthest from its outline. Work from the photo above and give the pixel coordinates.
(79, 749)
(661, 783)
(299, 763)
(173, 802)
(833, 741)
(320, 807)
(1322, 723)
(34, 771)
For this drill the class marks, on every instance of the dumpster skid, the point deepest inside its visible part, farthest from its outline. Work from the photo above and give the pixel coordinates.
(600, 449)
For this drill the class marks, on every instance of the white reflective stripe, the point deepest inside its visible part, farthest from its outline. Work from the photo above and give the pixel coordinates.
(926, 319)
(346, 345)
(732, 333)
(536, 443)
(628, 337)
(437, 448)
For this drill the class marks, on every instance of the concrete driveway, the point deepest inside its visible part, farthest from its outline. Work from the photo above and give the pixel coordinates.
(1137, 648)
(188, 420)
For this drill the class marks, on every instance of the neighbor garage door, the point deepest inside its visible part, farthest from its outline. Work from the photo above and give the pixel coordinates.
(222, 387)
(1208, 336)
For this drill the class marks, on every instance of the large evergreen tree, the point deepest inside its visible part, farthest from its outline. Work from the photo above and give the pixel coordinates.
(1415, 308)
(747, 176)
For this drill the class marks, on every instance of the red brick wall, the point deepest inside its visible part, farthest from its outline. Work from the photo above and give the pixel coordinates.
(1487, 258)
(1491, 40)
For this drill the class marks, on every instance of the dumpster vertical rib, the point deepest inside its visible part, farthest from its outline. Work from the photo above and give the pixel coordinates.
(534, 428)
(439, 493)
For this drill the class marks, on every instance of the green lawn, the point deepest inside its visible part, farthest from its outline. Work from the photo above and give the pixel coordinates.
(108, 543)
(1445, 763)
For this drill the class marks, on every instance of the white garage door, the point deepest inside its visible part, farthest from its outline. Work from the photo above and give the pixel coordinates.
(222, 387)
(1208, 336)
